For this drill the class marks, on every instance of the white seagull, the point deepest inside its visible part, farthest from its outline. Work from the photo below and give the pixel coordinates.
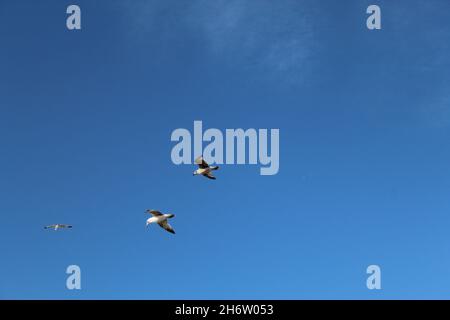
(204, 168)
(58, 226)
(160, 219)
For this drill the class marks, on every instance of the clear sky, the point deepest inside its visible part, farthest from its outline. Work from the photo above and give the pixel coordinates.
(85, 124)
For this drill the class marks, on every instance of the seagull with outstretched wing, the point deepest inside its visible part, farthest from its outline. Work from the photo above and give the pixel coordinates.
(58, 226)
(161, 219)
(204, 168)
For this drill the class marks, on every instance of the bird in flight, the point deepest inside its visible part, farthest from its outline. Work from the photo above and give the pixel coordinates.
(161, 219)
(58, 226)
(204, 168)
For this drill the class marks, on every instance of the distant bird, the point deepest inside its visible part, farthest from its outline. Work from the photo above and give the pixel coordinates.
(204, 168)
(58, 226)
(160, 219)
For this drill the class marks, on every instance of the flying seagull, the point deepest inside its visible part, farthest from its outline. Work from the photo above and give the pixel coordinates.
(160, 219)
(58, 226)
(204, 168)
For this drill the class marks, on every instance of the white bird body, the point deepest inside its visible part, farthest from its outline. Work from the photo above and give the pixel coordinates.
(203, 171)
(158, 219)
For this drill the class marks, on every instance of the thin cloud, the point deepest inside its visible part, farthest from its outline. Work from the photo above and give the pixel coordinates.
(421, 30)
(274, 37)
(266, 37)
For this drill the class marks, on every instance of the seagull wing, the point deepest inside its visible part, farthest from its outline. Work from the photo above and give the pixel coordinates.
(201, 162)
(65, 226)
(164, 224)
(210, 176)
(155, 213)
(50, 226)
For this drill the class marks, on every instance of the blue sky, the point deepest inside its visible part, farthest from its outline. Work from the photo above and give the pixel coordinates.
(85, 125)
